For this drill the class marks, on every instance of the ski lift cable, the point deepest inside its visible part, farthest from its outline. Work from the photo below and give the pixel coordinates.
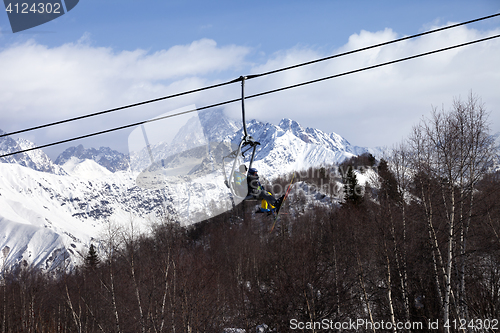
(258, 94)
(374, 66)
(374, 46)
(117, 109)
(246, 77)
(119, 128)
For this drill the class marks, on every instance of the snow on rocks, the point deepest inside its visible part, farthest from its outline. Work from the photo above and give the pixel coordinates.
(51, 212)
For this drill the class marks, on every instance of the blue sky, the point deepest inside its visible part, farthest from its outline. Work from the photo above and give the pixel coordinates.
(106, 53)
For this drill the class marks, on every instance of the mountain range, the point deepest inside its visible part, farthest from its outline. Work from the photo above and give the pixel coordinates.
(51, 211)
(104, 156)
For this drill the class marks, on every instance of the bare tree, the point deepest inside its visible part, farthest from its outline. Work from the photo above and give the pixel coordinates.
(453, 150)
(111, 237)
(130, 241)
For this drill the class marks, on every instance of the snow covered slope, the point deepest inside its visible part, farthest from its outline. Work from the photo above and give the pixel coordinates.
(46, 218)
(36, 218)
(35, 159)
(49, 213)
(84, 168)
(288, 147)
(104, 156)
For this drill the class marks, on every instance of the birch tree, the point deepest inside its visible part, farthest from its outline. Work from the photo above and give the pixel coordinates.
(454, 150)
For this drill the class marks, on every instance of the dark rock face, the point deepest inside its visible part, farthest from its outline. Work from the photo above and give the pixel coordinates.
(104, 156)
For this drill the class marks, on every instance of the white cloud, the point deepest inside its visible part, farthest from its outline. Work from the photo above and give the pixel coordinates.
(379, 106)
(39, 84)
(76, 78)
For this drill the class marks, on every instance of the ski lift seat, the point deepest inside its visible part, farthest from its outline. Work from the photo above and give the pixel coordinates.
(234, 180)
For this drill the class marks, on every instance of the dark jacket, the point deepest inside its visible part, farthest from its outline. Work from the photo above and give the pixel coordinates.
(254, 186)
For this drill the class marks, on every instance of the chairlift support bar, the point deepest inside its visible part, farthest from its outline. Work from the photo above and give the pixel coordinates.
(246, 141)
(242, 79)
(243, 106)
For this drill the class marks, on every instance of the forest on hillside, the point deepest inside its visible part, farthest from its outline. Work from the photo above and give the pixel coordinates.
(417, 251)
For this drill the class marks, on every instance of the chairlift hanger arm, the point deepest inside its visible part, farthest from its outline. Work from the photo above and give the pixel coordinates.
(242, 79)
(243, 106)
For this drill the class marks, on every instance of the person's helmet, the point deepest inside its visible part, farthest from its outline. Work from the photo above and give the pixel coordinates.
(252, 171)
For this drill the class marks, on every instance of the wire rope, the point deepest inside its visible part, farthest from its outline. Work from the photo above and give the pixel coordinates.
(257, 95)
(246, 77)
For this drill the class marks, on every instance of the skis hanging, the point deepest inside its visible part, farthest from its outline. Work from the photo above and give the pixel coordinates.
(282, 203)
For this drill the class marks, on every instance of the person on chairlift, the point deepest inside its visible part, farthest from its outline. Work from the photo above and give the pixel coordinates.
(256, 190)
(241, 186)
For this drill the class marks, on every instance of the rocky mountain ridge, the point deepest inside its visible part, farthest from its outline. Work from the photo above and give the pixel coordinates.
(104, 156)
(51, 212)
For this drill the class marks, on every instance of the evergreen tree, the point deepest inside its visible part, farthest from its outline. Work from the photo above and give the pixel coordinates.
(352, 189)
(92, 259)
(389, 184)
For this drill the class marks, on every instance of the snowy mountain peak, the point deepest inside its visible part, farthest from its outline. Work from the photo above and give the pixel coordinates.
(290, 125)
(104, 156)
(34, 159)
(216, 126)
(87, 169)
(51, 212)
(314, 136)
(289, 146)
